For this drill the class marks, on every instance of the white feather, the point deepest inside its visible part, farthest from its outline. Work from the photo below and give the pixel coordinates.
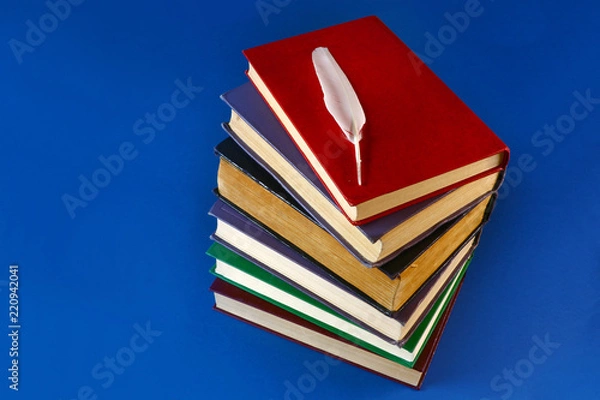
(340, 100)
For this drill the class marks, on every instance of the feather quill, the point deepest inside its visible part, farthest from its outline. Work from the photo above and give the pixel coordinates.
(340, 100)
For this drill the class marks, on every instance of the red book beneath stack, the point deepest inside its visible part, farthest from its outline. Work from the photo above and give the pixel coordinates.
(255, 311)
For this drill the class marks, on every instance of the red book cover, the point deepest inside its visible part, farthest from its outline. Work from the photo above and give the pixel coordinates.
(416, 127)
(421, 366)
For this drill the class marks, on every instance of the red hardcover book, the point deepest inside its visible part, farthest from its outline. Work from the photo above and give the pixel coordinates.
(419, 139)
(255, 311)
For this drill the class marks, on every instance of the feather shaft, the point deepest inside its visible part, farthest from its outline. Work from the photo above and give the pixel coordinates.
(341, 101)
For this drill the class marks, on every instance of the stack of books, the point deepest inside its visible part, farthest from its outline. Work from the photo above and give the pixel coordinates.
(359, 256)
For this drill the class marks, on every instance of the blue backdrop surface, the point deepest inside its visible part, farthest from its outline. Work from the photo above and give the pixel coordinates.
(113, 280)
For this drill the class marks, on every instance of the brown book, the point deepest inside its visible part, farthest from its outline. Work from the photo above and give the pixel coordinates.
(258, 202)
(248, 308)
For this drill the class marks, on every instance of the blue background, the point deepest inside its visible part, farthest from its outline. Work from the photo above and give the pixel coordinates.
(135, 253)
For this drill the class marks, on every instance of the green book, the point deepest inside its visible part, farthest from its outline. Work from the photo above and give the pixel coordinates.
(242, 273)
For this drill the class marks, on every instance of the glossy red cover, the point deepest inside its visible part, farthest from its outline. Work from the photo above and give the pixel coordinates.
(416, 128)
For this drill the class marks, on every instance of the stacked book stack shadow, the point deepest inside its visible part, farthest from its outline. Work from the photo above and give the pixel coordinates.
(362, 265)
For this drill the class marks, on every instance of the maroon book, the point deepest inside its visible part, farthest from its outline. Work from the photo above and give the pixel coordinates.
(246, 307)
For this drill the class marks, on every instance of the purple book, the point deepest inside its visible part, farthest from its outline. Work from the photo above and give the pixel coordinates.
(269, 240)
(251, 107)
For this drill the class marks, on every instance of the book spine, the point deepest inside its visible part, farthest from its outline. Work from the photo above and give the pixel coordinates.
(500, 180)
(397, 313)
(490, 207)
(477, 237)
(320, 349)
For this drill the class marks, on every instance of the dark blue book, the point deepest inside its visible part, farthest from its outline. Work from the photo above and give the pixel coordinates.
(254, 127)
